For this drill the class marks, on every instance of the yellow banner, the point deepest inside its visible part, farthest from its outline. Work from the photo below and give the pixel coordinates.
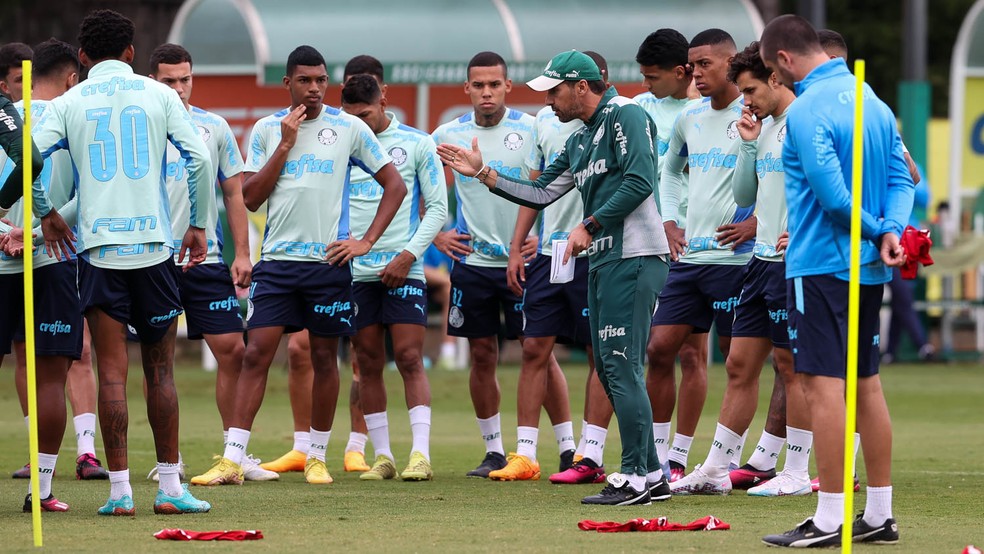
(973, 127)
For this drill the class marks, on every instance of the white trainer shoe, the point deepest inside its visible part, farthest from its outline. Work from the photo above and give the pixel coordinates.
(785, 484)
(253, 472)
(698, 482)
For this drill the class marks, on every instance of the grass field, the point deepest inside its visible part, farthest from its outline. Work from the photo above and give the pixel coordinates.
(939, 480)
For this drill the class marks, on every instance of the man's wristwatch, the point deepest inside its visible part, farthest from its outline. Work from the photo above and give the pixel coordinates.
(590, 225)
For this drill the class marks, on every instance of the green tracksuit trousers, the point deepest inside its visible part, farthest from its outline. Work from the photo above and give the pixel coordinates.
(621, 299)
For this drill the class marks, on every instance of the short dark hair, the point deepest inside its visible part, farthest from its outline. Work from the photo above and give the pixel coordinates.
(599, 60)
(105, 34)
(830, 39)
(362, 88)
(488, 59)
(363, 64)
(665, 48)
(304, 55)
(11, 55)
(169, 54)
(713, 37)
(53, 56)
(749, 60)
(791, 33)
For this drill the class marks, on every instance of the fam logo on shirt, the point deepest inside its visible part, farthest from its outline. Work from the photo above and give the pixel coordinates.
(327, 136)
(733, 130)
(204, 132)
(781, 135)
(513, 141)
(399, 155)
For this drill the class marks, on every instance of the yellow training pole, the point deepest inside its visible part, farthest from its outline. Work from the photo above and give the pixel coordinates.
(853, 308)
(32, 382)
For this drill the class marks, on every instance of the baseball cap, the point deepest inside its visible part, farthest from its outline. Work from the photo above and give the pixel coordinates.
(566, 66)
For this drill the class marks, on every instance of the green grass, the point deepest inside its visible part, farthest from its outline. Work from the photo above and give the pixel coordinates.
(937, 473)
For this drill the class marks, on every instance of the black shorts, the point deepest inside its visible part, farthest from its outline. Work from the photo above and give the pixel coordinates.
(377, 303)
(146, 298)
(57, 315)
(478, 294)
(699, 295)
(302, 295)
(818, 326)
(209, 300)
(554, 309)
(761, 309)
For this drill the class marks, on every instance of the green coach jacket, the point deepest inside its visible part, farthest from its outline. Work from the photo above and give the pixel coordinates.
(612, 163)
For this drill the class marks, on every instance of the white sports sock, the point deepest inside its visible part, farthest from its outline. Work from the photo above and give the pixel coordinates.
(877, 506)
(767, 452)
(637, 482)
(378, 426)
(46, 470)
(119, 484)
(420, 428)
(830, 511)
(681, 449)
(27, 422)
(85, 433)
(799, 444)
(661, 437)
(564, 433)
(654, 476)
(594, 444)
(302, 441)
(356, 443)
(319, 444)
(722, 449)
(857, 448)
(579, 451)
(736, 457)
(168, 479)
(235, 447)
(526, 438)
(491, 430)
(225, 437)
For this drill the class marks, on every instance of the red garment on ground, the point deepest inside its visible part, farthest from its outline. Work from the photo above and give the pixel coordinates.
(708, 523)
(916, 244)
(183, 535)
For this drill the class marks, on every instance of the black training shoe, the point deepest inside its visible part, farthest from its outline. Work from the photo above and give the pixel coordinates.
(805, 535)
(492, 462)
(618, 492)
(677, 471)
(88, 467)
(566, 461)
(886, 533)
(659, 490)
(50, 504)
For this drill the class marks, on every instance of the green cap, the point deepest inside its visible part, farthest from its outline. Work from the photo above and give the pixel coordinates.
(566, 66)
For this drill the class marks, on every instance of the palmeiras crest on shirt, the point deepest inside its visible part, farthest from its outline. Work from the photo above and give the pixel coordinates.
(399, 155)
(598, 135)
(204, 132)
(327, 136)
(733, 130)
(513, 141)
(781, 135)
